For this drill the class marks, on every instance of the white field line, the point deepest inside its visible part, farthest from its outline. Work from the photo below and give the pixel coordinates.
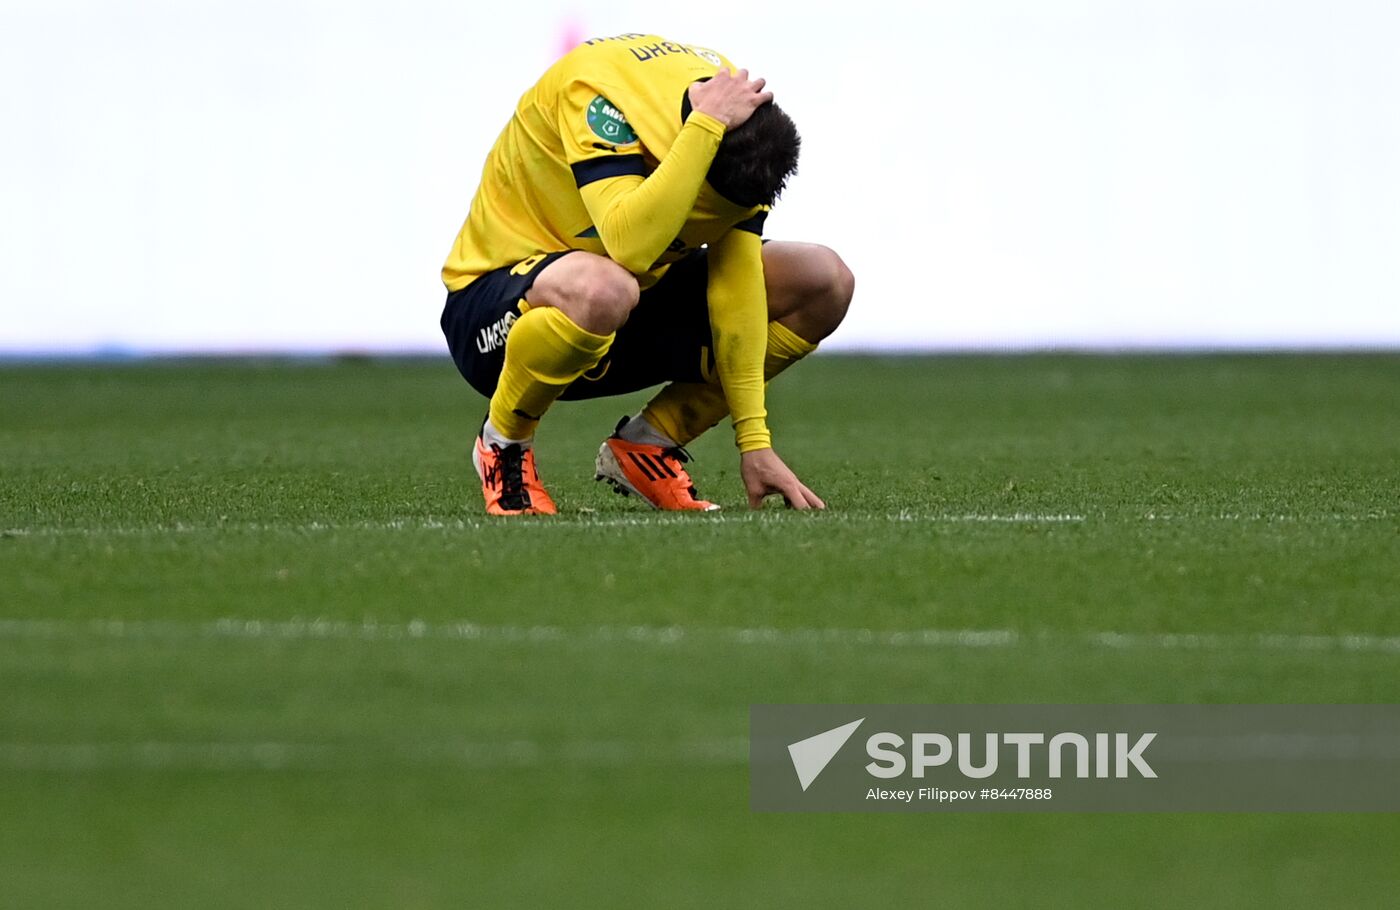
(289, 756)
(584, 520)
(1275, 517)
(650, 635)
(580, 521)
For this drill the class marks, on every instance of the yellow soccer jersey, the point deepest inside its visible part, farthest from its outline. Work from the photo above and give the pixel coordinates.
(604, 155)
(610, 108)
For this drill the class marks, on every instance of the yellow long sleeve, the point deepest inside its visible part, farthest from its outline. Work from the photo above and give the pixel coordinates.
(739, 326)
(637, 218)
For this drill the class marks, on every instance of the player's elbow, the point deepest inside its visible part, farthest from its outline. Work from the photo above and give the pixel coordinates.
(631, 257)
(626, 245)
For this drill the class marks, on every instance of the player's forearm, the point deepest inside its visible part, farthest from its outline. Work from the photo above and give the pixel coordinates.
(637, 222)
(739, 326)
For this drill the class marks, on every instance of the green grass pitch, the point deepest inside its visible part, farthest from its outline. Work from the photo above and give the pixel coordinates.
(259, 647)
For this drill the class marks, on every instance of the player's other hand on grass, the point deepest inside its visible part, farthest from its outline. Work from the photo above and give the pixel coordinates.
(765, 474)
(729, 98)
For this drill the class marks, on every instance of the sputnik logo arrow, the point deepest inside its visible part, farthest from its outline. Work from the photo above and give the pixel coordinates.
(810, 756)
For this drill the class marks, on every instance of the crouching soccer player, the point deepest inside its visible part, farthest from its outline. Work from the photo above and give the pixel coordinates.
(615, 244)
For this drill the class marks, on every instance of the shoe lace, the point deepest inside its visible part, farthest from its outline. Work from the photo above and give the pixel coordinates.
(681, 457)
(509, 472)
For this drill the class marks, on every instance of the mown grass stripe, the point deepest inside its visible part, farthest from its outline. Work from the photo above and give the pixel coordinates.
(293, 756)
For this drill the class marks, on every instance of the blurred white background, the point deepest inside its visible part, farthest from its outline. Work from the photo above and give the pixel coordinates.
(259, 175)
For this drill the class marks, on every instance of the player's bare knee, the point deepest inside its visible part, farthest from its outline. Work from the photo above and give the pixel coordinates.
(835, 286)
(842, 286)
(598, 294)
(612, 294)
(608, 293)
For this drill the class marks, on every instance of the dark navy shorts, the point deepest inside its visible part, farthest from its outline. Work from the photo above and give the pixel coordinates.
(666, 338)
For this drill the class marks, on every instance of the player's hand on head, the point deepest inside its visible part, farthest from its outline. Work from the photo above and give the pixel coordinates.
(765, 474)
(730, 98)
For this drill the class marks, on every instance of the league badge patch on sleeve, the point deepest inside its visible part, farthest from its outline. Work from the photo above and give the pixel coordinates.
(608, 123)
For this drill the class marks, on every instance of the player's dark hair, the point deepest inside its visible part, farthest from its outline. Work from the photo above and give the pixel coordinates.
(756, 159)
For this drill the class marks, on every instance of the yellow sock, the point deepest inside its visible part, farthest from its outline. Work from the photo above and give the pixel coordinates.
(684, 410)
(545, 352)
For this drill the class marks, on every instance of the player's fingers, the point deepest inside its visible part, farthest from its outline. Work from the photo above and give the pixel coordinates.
(762, 98)
(756, 499)
(813, 499)
(793, 494)
(758, 84)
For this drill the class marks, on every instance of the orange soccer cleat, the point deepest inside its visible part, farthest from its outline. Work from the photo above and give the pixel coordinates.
(655, 473)
(509, 480)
